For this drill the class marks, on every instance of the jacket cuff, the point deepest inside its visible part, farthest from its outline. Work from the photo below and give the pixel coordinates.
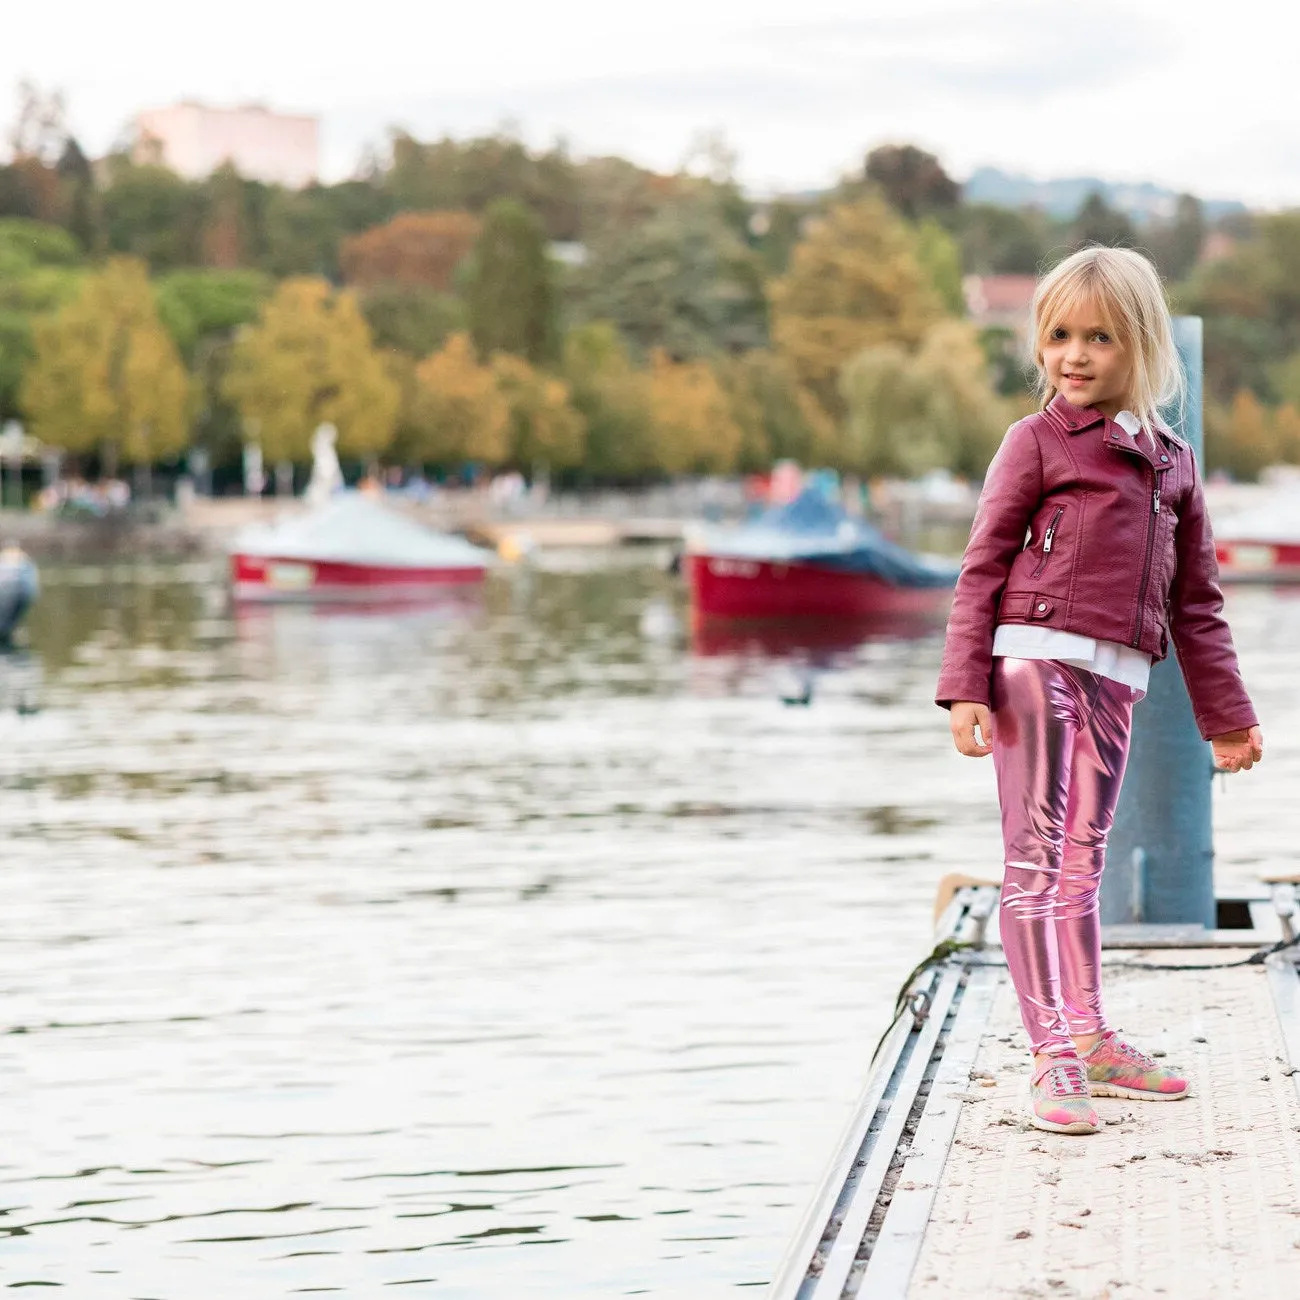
(973, 690)
(1225, 720)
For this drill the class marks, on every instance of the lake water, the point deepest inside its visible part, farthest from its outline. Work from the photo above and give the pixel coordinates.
(517, 946)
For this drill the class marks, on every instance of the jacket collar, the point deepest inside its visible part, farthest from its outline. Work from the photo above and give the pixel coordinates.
(1078, 419)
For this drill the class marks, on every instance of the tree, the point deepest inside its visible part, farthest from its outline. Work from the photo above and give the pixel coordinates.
(694, 430)
(545, 429)
(105, 376)
(510, 290)
(1000, 241)
(1175, 246)
(1239, 439)
(1286, 434)
(308, 361)
(459, 413)
(82, 215)
(681, 281)
(39, 272)
(411, 318)
(612, 399)
(151, 213)
(940, 258)
(1097, 222)
(414, 248)
(779, 419)
(203, 304)
(913, 411)
(854, 281)
(912, 181)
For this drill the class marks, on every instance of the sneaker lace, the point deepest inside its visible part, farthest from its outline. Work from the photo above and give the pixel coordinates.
(1134, 1054)
(1067, 1080)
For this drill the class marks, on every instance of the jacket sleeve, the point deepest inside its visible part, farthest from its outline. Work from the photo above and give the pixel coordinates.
(1201, 634)
(1013, 488)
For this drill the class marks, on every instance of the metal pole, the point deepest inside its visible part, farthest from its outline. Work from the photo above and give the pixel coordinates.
(1160, 864)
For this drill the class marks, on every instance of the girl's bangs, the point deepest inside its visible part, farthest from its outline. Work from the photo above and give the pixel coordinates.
(1073, 292)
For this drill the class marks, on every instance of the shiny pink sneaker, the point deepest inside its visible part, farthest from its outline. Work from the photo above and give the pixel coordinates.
(1059, 1100)
(1118, 1069)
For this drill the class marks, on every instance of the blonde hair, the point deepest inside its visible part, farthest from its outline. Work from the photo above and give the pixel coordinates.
(1125, 289)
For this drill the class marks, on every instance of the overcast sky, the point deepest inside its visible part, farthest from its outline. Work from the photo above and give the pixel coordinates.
(1188, 93)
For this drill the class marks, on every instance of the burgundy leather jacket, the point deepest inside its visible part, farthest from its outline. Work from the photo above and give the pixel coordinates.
(1078, 529)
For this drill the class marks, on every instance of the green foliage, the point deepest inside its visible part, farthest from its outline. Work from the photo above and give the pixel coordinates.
(610, 396)
(151, 213)
(681, 281)
(1097, 222)
(909, 412)
(195, 304)
(510, 292)
(1000, 241)
(412, 318)
(940, 258)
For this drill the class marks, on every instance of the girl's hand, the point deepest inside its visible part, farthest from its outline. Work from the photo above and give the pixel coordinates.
(1238, 751)
(964, 718)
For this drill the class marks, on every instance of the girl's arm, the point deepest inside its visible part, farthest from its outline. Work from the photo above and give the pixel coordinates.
(1201, 634)
(1013, 488)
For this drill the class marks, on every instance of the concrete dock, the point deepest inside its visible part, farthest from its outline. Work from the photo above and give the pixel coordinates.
(941, 1189)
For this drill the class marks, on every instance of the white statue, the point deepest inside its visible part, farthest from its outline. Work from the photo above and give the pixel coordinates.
(326, 476)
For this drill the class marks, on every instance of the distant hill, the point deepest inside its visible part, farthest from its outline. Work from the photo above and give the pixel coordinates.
(1063, 198)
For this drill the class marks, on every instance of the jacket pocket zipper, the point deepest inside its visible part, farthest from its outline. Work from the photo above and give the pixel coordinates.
(1048, 538)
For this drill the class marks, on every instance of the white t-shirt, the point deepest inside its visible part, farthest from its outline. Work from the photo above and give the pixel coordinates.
(1120, 663)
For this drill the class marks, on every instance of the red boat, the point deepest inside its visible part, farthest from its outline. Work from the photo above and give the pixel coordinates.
(728, 586)
(810, 560)
(1261, 544)
(351, 549)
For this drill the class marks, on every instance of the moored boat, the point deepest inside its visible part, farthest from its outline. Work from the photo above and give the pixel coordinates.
(19, 586)
(351, 548)
(810, 559)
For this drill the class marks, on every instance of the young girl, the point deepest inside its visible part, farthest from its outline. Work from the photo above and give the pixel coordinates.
(1090, 548)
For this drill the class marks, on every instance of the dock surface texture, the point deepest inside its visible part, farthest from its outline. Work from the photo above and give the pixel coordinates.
(941, 1189)
(1189, 1199)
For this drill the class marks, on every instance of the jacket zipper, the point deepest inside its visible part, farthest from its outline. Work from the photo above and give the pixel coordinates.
(1146, 568)
(1048, 537)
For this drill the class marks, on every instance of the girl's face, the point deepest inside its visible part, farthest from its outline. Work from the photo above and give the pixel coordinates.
(1085, 364)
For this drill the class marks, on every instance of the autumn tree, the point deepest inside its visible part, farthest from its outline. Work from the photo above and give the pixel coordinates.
(694, 430)
(545, 429)
(1240, 438)
(105, 376)
(510, 289)
(414, 248)
(458, 413)
(308, 361)
(854, 281)
(1286, 434)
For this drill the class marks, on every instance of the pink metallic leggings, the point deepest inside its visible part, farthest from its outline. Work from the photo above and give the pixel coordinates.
(1060, 742)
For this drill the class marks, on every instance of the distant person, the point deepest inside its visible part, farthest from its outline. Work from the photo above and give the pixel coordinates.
(1051, 640)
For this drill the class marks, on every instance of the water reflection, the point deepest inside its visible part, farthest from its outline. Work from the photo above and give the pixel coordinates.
(479, 950)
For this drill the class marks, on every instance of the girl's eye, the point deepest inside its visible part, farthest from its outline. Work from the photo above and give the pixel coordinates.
(1101, 336)
(1058, 334)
